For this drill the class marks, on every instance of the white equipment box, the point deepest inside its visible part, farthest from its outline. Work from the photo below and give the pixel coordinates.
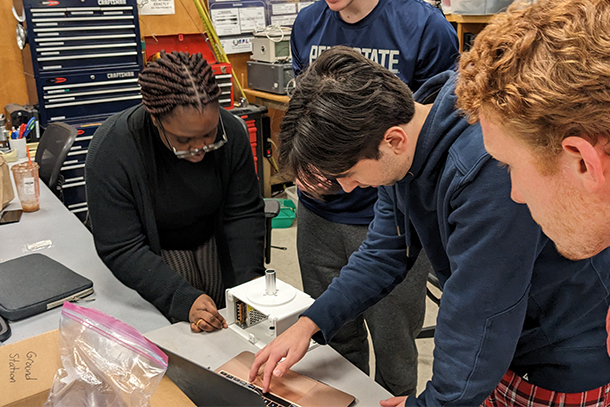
(261, 309)
(271, 46)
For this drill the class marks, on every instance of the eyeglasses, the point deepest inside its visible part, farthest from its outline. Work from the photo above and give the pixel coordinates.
(195, 151)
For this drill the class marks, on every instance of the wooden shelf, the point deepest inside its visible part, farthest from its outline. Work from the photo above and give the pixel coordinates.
(271, 100)
(472, 24)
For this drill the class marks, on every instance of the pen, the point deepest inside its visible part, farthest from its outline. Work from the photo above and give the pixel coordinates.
(29, 127)
(21, 130)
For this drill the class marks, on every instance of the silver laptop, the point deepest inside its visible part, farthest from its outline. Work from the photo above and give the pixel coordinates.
(228, 386)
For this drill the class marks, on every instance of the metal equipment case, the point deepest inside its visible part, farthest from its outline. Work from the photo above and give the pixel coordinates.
(272, 47)
(269, 77)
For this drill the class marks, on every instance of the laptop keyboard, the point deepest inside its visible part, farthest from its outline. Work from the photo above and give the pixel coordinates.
(269, 399)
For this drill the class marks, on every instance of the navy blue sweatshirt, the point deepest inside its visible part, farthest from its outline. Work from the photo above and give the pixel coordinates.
(510, 301)
(409, 37)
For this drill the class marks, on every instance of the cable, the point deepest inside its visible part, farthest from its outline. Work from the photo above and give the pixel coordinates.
(272, 31)
(290, 87)
(217, 48)
(271, 159)
(274, 164)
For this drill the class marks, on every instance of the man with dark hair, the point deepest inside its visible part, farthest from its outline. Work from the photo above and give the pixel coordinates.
(414, 41)
(500, 320)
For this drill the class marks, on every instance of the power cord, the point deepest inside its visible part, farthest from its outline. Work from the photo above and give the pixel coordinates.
(290, 87)
(273, 31)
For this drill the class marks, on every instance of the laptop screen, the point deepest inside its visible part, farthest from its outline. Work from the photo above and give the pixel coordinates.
(207, 388)
(229, 387)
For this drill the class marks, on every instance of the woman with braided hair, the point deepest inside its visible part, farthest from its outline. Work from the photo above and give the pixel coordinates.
(175, 208)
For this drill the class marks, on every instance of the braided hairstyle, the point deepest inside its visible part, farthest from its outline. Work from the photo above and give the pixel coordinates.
(177, 79)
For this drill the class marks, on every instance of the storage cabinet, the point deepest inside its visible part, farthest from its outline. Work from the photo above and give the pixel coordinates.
(82, 59)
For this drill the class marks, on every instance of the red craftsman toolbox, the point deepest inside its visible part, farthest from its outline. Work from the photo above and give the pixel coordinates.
(259, 131)
(224, 78)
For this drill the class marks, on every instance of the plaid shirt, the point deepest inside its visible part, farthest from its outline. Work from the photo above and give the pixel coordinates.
(608, 329)
(515, 391)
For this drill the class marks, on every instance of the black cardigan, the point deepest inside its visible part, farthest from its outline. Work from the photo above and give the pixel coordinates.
(120, 173)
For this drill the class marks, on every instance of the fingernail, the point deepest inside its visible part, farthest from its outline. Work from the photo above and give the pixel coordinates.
(277, 373)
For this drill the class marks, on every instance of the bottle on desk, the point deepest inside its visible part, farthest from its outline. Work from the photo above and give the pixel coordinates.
(4, 133)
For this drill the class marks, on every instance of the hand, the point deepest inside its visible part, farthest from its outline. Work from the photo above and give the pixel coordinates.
(394, 402)
(204, 315)
(292, 345)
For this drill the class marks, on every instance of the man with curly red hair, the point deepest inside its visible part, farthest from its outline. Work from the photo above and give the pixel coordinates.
(538, 80)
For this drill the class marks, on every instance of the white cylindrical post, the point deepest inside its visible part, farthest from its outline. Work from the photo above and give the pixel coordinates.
(270, 286)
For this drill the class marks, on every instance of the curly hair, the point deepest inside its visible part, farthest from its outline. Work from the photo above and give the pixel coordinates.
(543, 73)
(341, 108)
(177, 79)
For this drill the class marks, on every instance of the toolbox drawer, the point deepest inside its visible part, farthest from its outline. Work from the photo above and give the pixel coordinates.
(74, 193)
(64, 38)
(73, 172)
(74, 95)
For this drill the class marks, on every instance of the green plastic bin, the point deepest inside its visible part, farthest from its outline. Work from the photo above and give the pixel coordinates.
(286, 216)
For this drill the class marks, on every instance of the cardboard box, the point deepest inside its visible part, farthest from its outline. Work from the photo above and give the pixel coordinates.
(27, 369)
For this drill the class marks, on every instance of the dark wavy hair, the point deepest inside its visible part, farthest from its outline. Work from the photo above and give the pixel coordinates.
(341, 108)
(177, 79)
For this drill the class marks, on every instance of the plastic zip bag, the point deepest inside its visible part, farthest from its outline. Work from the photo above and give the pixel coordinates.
(105, 362)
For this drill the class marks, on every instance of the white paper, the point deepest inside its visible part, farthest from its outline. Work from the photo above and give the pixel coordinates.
(301, 5)
(283, 20)
(252, 19)
(283, 8)
(226, 21)
(156, 7)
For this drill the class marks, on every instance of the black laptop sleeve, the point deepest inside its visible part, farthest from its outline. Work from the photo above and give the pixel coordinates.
(35, 283)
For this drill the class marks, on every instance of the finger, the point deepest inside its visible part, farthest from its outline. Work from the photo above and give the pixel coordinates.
(222, 323)
(270, 368)
(195, 328)
(260, 359)
(285, 365)
(392, 402)
(206, 326)
(213, 320)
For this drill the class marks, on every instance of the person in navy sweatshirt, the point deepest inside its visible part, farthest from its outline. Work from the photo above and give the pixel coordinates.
(415, 41)
(512, 309)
